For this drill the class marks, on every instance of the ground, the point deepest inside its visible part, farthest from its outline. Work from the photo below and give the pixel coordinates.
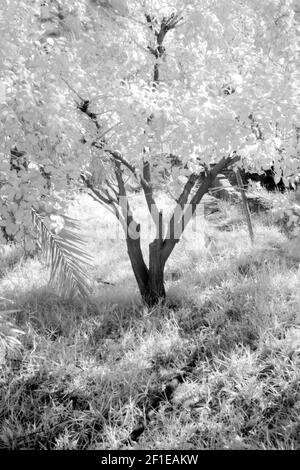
(217, 367)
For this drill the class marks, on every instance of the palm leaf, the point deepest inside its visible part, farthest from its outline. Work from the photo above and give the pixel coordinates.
(66, 255)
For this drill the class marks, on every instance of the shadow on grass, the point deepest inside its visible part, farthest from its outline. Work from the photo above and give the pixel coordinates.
(236, 302)
(89, 370)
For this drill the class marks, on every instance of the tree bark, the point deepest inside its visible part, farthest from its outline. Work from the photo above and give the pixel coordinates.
(150, 281)
(155, 288)
(139, 267)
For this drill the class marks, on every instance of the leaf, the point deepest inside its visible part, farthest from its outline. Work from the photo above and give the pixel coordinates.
(67, 257)
(120, 5)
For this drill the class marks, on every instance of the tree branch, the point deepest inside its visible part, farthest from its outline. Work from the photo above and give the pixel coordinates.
(183, 198)
(167, 24)
(133, 229)
(118, 158)
(110, 186)
(144, 181)
(171, 240)
(208, 180)
(181, 201)
(97, 193)
(148, 192)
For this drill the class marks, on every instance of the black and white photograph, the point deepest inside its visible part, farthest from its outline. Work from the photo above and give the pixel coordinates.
(149, 228)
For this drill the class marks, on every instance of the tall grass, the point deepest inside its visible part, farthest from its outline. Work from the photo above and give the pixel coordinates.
(216, 367)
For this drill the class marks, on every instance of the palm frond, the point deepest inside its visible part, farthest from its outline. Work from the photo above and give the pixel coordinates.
(66, 255)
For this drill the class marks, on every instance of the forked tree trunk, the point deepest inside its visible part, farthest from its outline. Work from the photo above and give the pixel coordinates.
(150, 280)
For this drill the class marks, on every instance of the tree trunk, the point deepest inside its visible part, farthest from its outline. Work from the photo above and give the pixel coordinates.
(150, 281)
(139, 267)
(155, 287)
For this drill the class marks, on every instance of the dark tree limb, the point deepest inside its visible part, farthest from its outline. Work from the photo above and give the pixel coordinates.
(132, 232)
(148, 192)
(117, 156)
(181, 201)
(170, 241)
(209, 179)
(183, 198)
(95, 191)
(110, 186)
(167, 24)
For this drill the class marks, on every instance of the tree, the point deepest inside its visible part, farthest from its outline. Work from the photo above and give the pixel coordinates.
(104, 92)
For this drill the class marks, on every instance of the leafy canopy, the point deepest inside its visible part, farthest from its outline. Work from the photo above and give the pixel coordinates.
(228, 82)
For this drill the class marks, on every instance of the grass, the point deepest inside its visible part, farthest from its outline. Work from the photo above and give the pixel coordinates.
(216, 367)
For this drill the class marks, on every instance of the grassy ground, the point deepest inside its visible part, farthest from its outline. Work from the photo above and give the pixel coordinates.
(217, 367)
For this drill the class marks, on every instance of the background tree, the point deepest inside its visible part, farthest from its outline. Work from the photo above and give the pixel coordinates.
(104, 92)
